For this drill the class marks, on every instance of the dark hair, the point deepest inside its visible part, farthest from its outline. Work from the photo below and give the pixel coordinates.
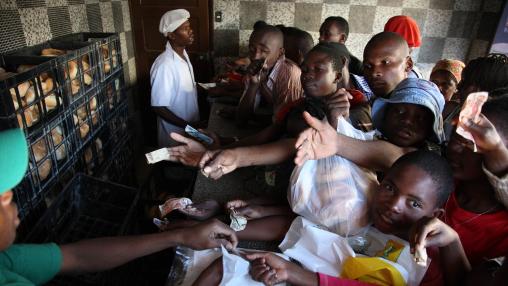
(486, 73)
(386, 36)
(259, 24)
(496, 110)
(303, 39)
(435, 166)
(337, 53)
(341, 23)
(269, 29)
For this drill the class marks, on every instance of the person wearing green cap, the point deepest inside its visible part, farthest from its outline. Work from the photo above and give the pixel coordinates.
(35, 264)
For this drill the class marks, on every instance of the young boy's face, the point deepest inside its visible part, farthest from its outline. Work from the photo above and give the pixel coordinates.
(183, 36)
(385, 65)
(318, 77)
(265, 46)
(446, 83)
(407, 124)
(465, 163)
(406, 194)
(8, 220)
(330, 32)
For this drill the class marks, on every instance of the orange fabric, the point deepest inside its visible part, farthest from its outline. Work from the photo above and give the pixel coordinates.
(455, 67)
(406, 27)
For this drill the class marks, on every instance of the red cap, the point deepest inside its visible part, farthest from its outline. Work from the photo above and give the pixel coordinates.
(406, 27)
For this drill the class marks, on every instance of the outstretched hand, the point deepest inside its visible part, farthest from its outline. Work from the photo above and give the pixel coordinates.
(217, 163)
(318, 141)
(189, 153)
(210, 234)
(268, 268)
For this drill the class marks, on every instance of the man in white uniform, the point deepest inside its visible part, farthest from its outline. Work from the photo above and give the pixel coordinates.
(174, 93)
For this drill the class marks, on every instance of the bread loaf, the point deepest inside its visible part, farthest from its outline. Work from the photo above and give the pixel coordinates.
(74, 86)
(22, 88)
(107, 67)
(51, 102)
(47, 86)
(73, 69)
(49, 52)
(31, 117)
(15, 102)
(39, 149)
(95, 117)
(93, 103)
(44, 169)
(83, 130)
(57, 137)
(87, 78)
(29, 96)
(85, 65)
(81, 112)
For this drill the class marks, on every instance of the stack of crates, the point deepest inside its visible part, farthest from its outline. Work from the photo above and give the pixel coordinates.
(66, 94)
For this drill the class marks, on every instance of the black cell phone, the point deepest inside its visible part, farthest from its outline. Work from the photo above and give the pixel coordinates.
(255, 66)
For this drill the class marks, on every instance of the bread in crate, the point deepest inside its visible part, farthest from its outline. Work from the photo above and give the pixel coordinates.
(71, 69)
(34, 97)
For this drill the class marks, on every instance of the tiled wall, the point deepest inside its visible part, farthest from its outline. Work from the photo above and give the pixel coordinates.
(29, 22)
(460, 29)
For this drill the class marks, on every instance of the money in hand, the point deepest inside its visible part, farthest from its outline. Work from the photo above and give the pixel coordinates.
(471, 111)
(157, 156)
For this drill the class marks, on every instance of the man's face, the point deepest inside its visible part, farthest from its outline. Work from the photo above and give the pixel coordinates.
(407, 124)
(265, 46)
(385, 65)
(318, 77)
(8, 220)
(330, 32)
(405, 195)
(446, 83)
(183, 36)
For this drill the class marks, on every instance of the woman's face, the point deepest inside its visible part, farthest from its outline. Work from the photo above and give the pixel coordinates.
(318, 76)
(446, 83)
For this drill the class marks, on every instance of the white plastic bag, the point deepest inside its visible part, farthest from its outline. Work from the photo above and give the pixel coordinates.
(316, 248)
(322, 251)
(334, 191)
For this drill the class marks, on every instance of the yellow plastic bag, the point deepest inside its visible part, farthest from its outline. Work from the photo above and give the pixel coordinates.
(374, 270)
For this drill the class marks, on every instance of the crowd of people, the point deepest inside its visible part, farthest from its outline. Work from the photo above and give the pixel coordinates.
(426, 185)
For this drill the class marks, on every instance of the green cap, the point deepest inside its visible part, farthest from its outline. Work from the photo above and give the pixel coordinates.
(13, 158)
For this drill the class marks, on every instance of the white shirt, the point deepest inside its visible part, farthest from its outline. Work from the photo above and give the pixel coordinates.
(173, 87)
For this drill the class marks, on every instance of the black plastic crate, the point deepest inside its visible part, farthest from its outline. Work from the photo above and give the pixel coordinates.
(118, 122)
(51, 152)
(87, 208)
(95, 153)
(119, 167)
(77, 64)
(30, 95)
(108, 47)
(113, 91)
(87, 117)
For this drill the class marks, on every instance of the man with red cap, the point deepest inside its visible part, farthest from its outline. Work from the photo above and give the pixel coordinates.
(409, 30)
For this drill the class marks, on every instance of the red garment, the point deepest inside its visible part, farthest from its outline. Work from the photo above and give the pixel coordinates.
(406, 27)
(484, 236)
(433, 276)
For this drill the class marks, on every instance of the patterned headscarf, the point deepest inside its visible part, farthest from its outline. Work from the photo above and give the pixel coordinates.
(455, 67)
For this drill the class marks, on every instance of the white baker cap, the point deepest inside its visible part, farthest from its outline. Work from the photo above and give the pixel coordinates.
(171, 20)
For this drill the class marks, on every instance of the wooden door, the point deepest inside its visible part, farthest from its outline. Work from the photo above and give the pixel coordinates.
(149, 43)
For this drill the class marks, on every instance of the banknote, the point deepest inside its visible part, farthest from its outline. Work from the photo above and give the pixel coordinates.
(471, 111)
(157, 156)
